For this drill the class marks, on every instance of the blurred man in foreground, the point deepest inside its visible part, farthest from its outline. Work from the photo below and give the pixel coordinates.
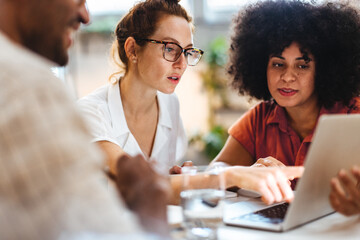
(50, 175)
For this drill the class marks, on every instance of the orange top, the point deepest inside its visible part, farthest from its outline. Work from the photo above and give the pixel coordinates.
(264, 131)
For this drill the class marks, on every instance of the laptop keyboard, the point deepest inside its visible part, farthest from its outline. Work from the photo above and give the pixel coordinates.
(275, 214)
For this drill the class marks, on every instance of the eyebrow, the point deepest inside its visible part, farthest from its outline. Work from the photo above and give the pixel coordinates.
(278, 57)
(299, 58)
(175, 41)
(306, 59)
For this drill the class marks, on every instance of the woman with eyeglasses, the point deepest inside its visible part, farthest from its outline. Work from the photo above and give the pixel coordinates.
(138, 112)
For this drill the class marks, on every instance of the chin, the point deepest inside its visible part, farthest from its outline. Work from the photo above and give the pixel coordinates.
(167, 91)
(287, 105)
(62, 60)
(284, 103)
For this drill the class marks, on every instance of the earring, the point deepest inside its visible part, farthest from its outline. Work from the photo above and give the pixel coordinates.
(133, 59)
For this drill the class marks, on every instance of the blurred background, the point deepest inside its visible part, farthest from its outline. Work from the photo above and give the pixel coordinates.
(208, 104)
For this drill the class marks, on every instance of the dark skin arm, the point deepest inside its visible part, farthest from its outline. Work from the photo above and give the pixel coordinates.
(233, 153)
(144, 191)
(345, 192)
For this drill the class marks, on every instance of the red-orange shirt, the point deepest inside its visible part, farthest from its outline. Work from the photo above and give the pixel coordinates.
(264, 131)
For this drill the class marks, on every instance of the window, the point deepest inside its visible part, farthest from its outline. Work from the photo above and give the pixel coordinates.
(106, 7)
(216, 11)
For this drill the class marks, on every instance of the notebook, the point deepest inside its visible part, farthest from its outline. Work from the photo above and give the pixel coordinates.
(335, 145)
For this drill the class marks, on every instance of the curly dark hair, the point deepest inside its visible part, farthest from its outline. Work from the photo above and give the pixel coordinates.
(330, 32)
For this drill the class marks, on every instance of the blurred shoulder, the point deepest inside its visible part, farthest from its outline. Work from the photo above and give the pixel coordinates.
(18, 61)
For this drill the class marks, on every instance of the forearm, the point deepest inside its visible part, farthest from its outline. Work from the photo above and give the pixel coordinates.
(152, 215)
(144, 191)
(234, 153)
(112, 153)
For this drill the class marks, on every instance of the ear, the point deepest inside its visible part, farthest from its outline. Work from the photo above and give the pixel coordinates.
(130, 49)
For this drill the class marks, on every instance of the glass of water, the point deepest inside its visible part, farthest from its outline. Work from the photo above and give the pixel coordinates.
(202, 202)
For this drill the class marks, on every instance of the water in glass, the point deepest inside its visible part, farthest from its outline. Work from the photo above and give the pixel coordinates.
(202, 212)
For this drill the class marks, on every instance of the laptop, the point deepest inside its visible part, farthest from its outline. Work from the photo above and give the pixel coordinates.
(335, 145)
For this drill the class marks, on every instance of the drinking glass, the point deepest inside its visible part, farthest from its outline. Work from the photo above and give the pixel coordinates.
(202, 202)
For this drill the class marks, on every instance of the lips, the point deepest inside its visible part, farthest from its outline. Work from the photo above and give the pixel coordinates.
(174, 78)
(73, 26)
(68, 38)
(287, 92)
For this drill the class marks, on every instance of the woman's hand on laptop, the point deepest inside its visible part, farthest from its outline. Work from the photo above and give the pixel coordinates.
(270, 162)
(270, 182)
(345, 192)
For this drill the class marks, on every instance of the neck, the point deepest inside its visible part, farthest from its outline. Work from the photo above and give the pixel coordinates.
(303, 121)
(137, 99)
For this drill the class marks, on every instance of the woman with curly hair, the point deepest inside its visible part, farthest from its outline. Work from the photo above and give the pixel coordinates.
(302, 60)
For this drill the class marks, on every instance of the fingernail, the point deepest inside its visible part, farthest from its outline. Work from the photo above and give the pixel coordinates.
(342, 172)
(333, 181)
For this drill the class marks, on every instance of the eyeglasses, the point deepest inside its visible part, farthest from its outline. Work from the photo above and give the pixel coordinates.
(172, 51)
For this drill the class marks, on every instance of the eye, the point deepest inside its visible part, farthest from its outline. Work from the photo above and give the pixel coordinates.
(172, 49)
(277, 65)
(190, 52)
(303, 66)
(169, 49)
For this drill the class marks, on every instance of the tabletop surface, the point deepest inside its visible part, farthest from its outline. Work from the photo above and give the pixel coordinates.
(331, 227)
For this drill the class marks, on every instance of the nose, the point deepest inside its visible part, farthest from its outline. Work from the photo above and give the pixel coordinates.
(84, 15)
(181, 62)
(289, 75)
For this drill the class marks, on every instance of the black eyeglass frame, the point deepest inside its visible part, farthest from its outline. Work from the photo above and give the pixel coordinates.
(183, 50)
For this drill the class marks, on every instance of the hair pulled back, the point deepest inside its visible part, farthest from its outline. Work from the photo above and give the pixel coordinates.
(140, 23)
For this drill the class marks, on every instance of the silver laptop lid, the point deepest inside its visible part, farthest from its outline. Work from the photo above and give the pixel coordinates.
(335, 145)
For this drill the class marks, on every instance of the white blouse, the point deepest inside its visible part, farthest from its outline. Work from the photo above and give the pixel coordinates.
(104, 114)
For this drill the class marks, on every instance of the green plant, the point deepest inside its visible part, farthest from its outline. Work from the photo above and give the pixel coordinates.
(215, 84)
(214, 141)
(216, 54)
(214, 80)
(210, 143)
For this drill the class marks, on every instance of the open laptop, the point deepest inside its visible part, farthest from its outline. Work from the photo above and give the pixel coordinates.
(335, 145)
